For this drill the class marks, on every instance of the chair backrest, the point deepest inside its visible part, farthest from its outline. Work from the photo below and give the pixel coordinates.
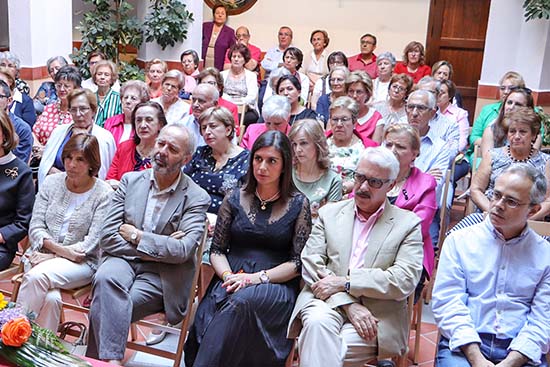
(443, 215)
(542, 228)
(242, 111)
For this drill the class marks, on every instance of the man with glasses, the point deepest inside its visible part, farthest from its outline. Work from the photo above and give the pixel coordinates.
(361, 262)
(366, 59)
(204, 96)
(274, 56)
(22, 129)
(242, 34)
(490, 299)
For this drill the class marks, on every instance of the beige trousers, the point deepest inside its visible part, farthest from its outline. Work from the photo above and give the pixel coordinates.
(328, 339)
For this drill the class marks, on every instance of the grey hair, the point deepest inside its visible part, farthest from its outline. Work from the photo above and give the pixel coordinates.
(276, 75)
(383, 158)
(188, 136)
(427, 94)
(276, 107)
(429, 79)
(6, 55)
(386, 56)
(343, 69)
(209, 89)
(175, 74)
(538, 189)
(60, 59)
(140, 86)
(346, 103)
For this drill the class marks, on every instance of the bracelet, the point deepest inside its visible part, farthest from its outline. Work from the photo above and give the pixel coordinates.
(225, 274)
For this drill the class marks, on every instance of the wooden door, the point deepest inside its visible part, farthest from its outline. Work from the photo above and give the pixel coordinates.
(456, 33)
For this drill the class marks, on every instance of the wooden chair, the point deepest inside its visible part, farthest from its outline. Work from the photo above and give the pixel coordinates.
(182, 333)
(542, 228)
(16, 266)
(243, 108)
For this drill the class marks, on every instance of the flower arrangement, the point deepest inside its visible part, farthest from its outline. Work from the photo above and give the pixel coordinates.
(24, 343)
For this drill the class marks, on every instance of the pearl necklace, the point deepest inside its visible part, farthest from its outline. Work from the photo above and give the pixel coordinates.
(263, 202)
(521, 160)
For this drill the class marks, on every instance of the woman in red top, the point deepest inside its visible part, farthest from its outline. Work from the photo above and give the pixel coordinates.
(413, 62)
(136, 154)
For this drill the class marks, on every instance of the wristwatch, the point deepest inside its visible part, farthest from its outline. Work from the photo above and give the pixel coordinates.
(134, 236)
(264, 278)
(346, 284)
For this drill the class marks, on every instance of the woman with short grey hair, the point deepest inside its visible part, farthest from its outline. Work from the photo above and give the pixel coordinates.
(46, 93)
(276, 116)
(384, 63)
(175, 108)
(11, 61)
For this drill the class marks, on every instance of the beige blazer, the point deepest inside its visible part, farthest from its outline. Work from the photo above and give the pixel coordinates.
(392, 268)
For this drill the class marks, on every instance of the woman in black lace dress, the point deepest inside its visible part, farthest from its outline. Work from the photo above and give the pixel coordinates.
(260, 232)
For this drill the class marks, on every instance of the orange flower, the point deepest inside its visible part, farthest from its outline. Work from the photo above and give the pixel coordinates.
(16, 332)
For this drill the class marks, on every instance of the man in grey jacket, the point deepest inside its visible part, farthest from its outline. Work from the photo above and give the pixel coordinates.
(148, 240)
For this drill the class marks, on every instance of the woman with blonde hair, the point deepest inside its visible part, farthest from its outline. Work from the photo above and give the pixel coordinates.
(413, 62)
(311, 169)
(104, 75)
(154, 74)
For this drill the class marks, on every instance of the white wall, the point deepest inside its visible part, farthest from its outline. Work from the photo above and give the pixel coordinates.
(39, 29)
(394, 22)
(509, 39)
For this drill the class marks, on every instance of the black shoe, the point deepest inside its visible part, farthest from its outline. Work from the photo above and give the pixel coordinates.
(385, 363)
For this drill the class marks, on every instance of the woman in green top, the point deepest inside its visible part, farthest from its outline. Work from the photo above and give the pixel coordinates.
(509, 81)
(311, 173)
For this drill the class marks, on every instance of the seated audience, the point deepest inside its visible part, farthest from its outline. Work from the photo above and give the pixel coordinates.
(413, 62)
(190, 63)
(154, 75)
(136, 154)
(132, 93)
(359, 87)
(290, 87)
(64, 231)
(316, 62)
(344, 143)
(267, 87)
(13, 64)
(148, 261)
(241, 321)
(104, 74)
(205, 95)
(414, 190)
(361, 262)
(337, 82)
(322, 85)
(366, 59)
(509, 81)
(219, 166)
(82, 106)
(213, 77)
(311, 171)
(46, 93)
(217, 38)
(240, 85)
(490, 295)
(23, 134)
(292, 61)
(66, 79)
(175, 108)
(523, 128)
(273, 58)
(21, 105)
(393, 108)
(242, 35)
(276, 116)
(381, 85)
(496, 134)
(16, 194)
(93, 58)
(443, 70)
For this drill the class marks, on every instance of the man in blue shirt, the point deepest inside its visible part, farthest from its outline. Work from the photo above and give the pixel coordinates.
(491, 294)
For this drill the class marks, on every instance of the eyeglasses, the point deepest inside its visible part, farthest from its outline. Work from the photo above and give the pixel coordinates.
(507, 88)
(373, 182)
(508, 201)
(61, 86)
(79, 110)
(4, 96)
(367, 43)
(419, 107)
(336, 80)
(340, 120)
(397, 88)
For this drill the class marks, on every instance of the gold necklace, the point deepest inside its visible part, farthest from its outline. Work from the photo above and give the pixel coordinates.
(263, 202)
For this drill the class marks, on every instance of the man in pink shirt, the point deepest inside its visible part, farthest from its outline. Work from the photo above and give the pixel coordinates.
(366, 60)
(242, 35)
(361, 262)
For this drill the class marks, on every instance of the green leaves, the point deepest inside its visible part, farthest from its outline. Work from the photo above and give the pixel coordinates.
(167, 23)
(536, 9)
